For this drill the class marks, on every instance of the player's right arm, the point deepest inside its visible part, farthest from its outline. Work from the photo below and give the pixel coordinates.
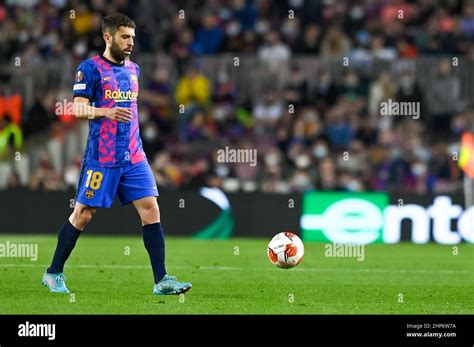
(86, 82)
(83, 110)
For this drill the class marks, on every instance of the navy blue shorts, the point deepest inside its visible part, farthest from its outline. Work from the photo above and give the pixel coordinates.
(98, 185)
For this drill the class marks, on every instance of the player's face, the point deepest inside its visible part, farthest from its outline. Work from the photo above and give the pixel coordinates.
(121, 43)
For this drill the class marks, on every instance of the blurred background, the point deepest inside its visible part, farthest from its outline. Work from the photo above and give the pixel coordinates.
(300, 81)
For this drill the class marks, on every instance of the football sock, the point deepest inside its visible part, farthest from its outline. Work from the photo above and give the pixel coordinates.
(67, 238)
(154, 240)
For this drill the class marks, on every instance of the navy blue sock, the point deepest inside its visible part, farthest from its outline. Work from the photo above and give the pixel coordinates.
(67, 238)
(154, 240)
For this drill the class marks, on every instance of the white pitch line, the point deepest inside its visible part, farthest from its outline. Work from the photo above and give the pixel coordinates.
(225, 268)
(385, 270)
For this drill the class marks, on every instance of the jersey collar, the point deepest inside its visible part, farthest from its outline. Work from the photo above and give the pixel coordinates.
(111, 62)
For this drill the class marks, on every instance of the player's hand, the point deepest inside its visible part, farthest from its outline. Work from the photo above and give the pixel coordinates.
(120, 114)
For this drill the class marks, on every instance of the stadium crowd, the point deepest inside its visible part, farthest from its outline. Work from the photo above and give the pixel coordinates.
(323, 134)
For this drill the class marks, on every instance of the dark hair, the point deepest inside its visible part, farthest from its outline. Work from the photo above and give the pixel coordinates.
(114, 21)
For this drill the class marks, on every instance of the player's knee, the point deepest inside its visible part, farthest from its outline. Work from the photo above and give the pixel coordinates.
(87, 214)
(82, 216)
(151, 214)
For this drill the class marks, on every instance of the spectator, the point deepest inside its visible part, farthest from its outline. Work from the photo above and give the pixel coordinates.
(181, 49)
(381, 90)
(339, 129)
(296, 89)
(326, 92)
(380, 51)
(327, 178)
(197, 128)
(467, 21)
(336, 110)
(45, 177)
(9, 133)
(193, 89)
(152, 141)
(245, 12)
(310, 41)
(444, 97)
(157, 96)
(225, 94)
(14, 181)
(410, 91)
(274, 53)
(352, 87)
(11, 141)
(209, 37)
(335, 44)
(234, 39)
(72, 172)
(269, 110)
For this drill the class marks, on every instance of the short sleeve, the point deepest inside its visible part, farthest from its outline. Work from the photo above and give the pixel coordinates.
(84, 80)
(138, 70)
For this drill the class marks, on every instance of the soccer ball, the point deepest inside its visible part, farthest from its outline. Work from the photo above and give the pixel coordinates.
(285, 250)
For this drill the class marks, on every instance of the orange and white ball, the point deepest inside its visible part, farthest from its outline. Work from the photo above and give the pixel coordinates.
(285, 250)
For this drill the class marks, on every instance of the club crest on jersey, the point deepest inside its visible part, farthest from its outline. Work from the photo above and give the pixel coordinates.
(89, 194)
(79, 76)
(134, 78)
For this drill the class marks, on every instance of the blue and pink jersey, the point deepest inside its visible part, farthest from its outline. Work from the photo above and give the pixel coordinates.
(108, 84)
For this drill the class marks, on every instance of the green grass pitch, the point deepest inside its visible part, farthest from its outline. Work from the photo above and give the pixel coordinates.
(392, 279)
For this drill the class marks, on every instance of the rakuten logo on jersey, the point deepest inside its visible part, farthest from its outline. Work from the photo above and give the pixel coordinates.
(120, 95)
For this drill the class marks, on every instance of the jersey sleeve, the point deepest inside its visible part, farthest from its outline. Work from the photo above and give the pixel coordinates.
(84, 80)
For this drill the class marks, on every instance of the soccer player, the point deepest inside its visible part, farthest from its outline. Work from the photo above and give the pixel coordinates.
(105, 92)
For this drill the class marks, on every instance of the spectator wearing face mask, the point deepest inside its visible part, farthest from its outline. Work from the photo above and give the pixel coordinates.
(152, 141)
(409, 90)
(234, 40)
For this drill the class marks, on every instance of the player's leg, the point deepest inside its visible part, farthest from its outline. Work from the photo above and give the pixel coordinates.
(138, 185)
(153, 236)
(96, 188)
(68, 235)
(154, 240)
(67, 238)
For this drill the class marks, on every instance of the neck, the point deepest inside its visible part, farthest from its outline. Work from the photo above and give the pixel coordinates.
(107, 55)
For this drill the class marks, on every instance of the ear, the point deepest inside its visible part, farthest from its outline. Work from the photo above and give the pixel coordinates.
(107, 38)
